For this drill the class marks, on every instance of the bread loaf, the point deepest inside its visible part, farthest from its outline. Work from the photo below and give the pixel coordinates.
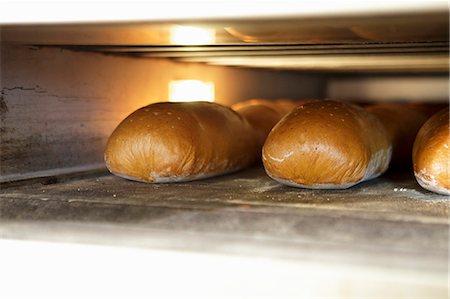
(287, 105)
(170, 142)
(262, 115)
(402, 122)
(326, 145)
(431, 154)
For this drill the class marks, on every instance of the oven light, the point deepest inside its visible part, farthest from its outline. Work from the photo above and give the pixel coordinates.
(191, 90)
(188, 35)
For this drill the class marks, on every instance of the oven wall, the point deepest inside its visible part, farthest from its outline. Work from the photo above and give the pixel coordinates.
(58, 107)
(380, 88)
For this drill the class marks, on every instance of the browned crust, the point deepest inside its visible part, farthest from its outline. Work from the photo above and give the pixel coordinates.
(431, 154)
(327, 144)
(402, 122)
(262, 115)
(166, 142)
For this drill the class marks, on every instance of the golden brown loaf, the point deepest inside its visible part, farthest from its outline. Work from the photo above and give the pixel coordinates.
(169, 142)
(262, 115)
(287, 105)
(431, 154)
(402, 122)
(326, 144)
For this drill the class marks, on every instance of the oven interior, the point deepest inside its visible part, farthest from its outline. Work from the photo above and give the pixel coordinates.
(65, 87)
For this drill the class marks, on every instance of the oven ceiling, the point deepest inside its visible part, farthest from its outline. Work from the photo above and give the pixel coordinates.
(383, 42)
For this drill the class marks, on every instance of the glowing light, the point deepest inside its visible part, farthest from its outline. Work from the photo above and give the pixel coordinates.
(187, 35)
(191, 90)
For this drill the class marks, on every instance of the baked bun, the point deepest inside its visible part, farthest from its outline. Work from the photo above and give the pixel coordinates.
(262, 115)
(173, 142)
(402, 122)
(286, 105)
(431, 154)
(260, 102)
(326, 145)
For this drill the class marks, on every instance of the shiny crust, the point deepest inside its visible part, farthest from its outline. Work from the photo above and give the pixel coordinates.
(262, 115)
(287, 105)
(431, 154)
(326, 145)
(402, 122)
(173, 142)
